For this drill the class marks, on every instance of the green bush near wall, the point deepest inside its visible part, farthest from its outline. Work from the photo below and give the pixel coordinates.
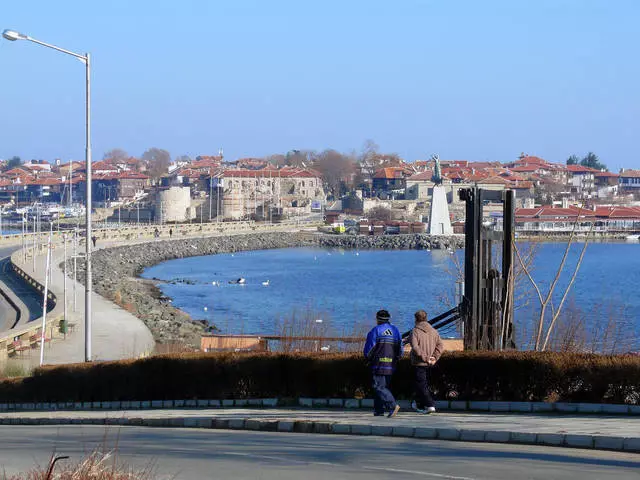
(511, 376)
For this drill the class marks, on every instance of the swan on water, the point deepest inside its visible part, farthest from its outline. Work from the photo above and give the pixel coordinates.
(215, 283)
(266, 283)
(239, 281)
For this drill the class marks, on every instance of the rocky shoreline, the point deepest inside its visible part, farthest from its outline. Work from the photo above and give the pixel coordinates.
(116, 271)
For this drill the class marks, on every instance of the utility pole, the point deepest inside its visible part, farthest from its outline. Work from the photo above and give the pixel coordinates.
(66, 318)
(33, 252)
(44, 301)
(70, 183)
(75, 266)
(211, 196)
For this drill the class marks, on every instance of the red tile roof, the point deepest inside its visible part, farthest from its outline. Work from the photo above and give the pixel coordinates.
(525, 168)
(392, 172)
(606, 175)
(422, 176)
(618, 212)
(630, 174)
(530, 159)
(282, 173)
(17, 172)
(581, 169)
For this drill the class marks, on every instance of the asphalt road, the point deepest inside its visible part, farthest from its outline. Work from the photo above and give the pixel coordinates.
(220, 454)
(21, 289)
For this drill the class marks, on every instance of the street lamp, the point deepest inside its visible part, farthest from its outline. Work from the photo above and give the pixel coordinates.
(12, 36)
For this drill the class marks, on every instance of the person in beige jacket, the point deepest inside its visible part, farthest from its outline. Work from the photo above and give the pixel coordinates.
(426, 348)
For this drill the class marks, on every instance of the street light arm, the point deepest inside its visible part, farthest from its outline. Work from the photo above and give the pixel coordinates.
(68, 52)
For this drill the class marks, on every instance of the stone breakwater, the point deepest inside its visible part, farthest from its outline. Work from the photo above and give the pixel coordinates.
(116, 270)
(391, 242)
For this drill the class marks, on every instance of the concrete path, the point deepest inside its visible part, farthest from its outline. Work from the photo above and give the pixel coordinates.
(117, 334)
(183, 454)
(594, 431)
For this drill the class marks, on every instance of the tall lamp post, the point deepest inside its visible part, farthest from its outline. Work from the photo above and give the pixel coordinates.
(86, 59)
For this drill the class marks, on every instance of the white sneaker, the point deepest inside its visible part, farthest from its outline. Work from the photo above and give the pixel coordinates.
(431, 410)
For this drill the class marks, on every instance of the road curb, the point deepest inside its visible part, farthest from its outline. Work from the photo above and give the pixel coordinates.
(585, 409)
(593, 442)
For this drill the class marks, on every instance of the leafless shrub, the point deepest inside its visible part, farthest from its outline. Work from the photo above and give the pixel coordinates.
(606, 330)
(100, 464)
(313, 331)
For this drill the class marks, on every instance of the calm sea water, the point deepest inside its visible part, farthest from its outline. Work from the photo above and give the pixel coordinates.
(345, 287)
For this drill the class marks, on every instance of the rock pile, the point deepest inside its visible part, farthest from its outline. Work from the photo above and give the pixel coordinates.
(116, 270)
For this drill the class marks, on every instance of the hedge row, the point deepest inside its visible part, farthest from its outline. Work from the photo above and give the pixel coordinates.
(513, 376)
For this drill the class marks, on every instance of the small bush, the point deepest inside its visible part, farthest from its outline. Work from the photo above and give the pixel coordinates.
(512, 376)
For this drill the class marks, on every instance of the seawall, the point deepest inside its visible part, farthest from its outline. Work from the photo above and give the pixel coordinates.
(116, 270)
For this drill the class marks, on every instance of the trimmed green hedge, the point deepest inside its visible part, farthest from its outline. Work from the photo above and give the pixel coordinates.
(512, 376)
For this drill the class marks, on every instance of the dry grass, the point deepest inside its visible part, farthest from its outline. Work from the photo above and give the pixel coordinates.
(100, 464)
(318, 327)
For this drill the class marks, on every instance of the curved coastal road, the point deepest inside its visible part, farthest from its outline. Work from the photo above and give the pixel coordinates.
(29, 297)
(197, 454)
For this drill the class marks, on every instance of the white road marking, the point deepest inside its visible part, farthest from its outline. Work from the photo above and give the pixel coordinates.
(416, 472)
(355, 467)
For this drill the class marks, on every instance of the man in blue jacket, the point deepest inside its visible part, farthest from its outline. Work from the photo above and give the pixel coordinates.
(382, 350)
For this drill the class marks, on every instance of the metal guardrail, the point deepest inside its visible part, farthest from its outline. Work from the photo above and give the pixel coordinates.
(54, 315)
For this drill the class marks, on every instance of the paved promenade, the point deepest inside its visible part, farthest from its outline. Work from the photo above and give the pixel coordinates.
(117, 334)
(583, 431)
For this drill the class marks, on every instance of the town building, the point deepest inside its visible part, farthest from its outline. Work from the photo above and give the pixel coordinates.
(630, 181)
(581, 181)
(267, 192)
(601, 219)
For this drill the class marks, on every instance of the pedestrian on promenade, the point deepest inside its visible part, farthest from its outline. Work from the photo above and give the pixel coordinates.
(156, 233)
(170, 232)
(426, 348)
(382, 350)
(94, 239)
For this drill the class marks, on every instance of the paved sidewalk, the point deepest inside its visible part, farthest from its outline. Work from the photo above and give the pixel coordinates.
(116, 333)
(600, 432)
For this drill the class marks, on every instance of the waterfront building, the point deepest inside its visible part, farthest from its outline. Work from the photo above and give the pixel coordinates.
(605, 219)
(630, 181)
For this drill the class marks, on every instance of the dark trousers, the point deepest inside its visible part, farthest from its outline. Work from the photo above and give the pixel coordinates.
(421, 384)
(383, 399)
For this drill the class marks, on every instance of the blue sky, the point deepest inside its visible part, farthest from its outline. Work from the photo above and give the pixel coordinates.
(466, 79)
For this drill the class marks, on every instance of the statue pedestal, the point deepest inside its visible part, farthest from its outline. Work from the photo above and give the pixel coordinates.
(439, 220)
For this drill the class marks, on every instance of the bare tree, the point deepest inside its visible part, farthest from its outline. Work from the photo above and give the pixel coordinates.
(158, 160)
(544, 331)
(183, 158)
(337, 170)
(379, 213)
(117, 154)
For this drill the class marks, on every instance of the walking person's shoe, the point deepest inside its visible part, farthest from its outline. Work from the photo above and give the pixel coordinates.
(378, 414)
(431, 410)
(420, 410)
(394, 412)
